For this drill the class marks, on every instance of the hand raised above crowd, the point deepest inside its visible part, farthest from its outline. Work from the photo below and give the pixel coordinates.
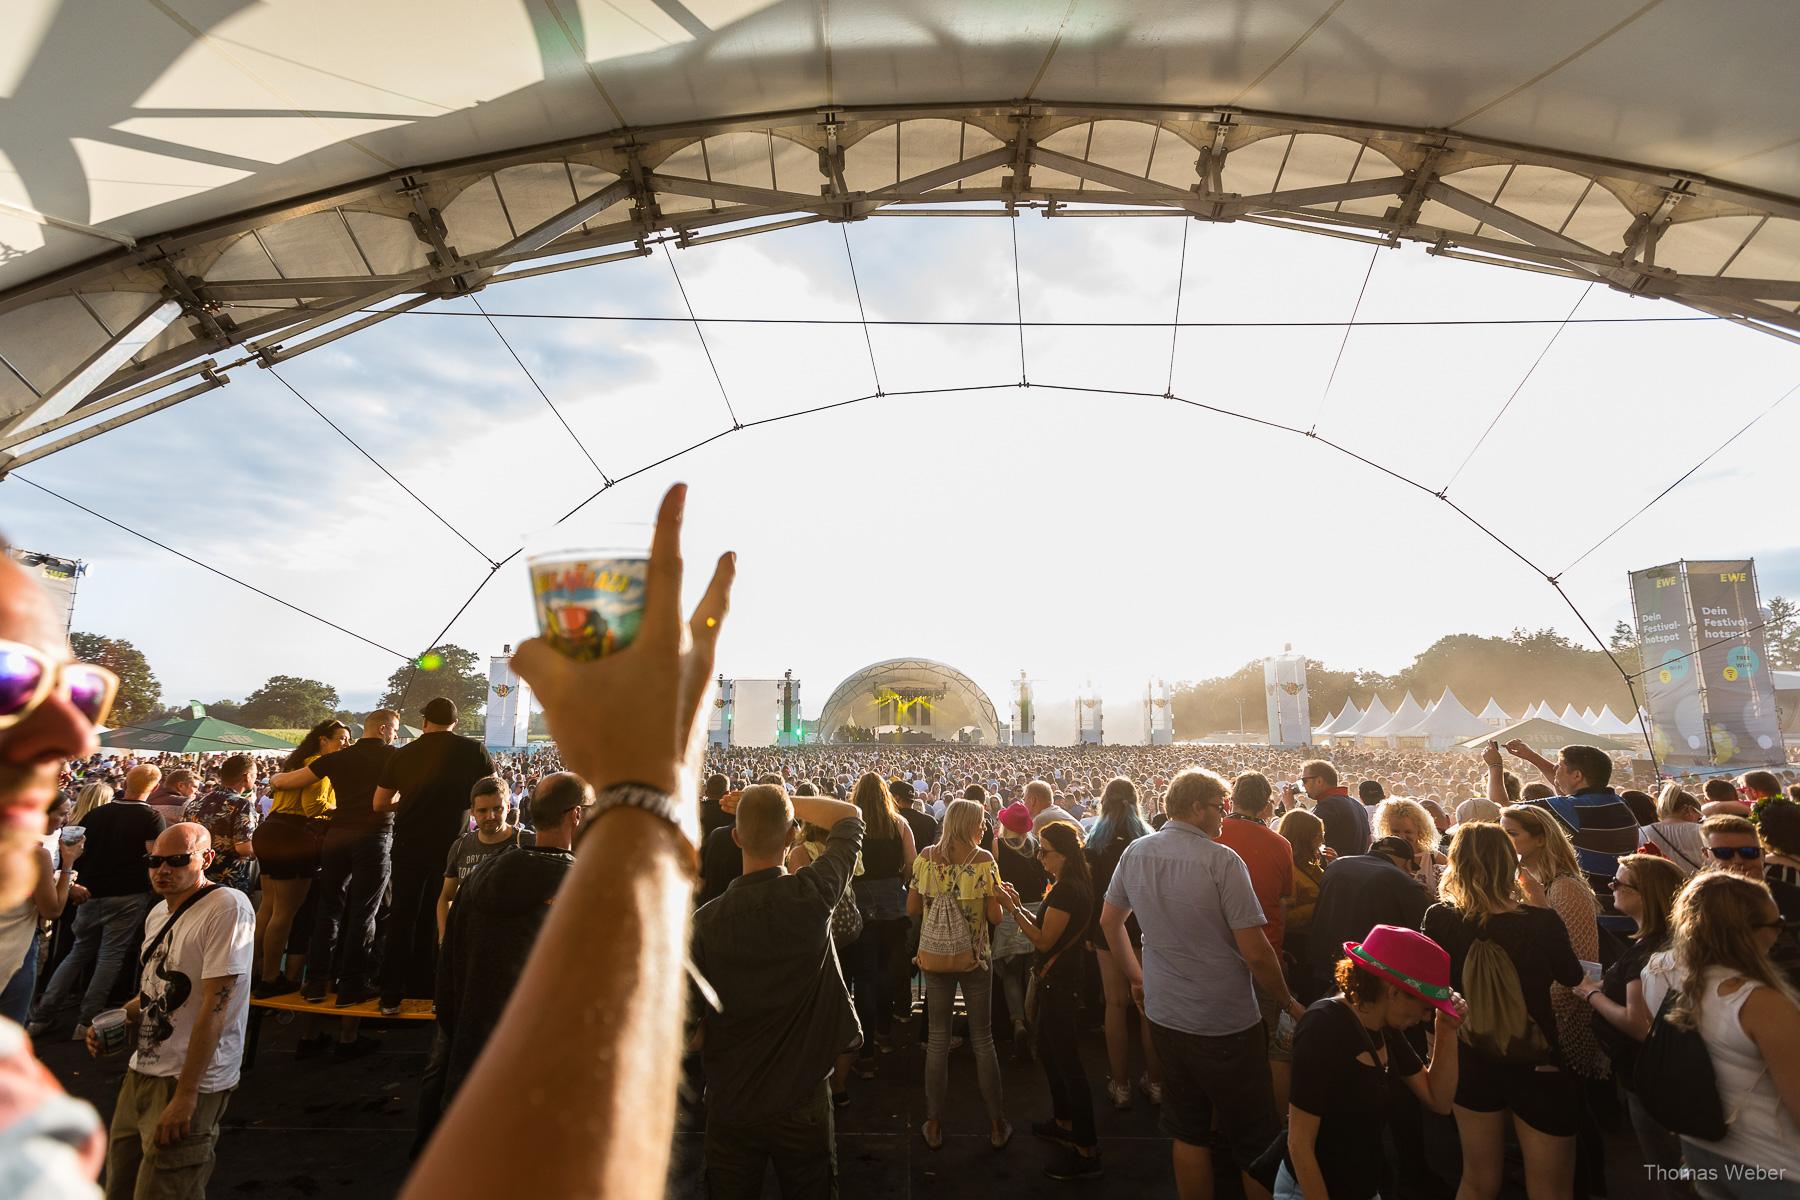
(633, 716)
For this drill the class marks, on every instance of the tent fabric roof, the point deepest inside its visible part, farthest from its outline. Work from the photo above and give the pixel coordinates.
(1405, 717)
(1346, 717)
(1538, 732)
(1493, 712)
(1374, 716)
(1447, 718)
(191, 734)
(241, 177)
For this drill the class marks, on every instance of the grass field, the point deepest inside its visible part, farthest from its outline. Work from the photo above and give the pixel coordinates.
(286, 735)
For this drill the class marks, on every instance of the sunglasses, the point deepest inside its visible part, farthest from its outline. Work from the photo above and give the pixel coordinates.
(28, 676)
(1724, 853)
(1620, 885)
(154, 861)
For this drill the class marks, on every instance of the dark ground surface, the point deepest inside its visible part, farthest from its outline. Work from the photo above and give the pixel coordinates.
(324, 1128)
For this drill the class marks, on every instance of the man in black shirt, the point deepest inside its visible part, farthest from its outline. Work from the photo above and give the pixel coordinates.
(353, 865)
(1357, 893)
(784, 1014)
(426, 785)
(493, 926)
(108, 923)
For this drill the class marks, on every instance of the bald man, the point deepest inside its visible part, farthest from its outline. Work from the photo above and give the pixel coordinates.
(187, 1024)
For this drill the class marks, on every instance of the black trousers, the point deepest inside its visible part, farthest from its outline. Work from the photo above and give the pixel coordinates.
(1059, 1050)
(353, 874)
(800, 1142)
(410, 951)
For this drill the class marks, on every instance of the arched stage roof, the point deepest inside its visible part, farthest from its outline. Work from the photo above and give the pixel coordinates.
(192, 187)
(962, 705)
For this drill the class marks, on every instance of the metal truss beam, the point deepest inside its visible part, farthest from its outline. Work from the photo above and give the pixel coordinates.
(327, 308)
(112, 354)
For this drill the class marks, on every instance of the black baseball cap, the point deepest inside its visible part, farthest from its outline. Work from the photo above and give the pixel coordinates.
(441, 711)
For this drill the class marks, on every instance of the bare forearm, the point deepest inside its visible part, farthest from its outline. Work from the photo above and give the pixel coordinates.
(594, 1027)
(1118, 940)
(1496, 785)
(1440, 1076)
(209, 1025)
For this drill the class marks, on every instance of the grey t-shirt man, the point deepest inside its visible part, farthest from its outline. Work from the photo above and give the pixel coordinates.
(1189, 893)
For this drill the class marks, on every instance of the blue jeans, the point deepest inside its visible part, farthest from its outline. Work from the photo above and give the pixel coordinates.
(15, 1000)
(107, 932)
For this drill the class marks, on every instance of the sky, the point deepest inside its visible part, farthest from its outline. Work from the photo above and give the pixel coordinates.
(1076, 535)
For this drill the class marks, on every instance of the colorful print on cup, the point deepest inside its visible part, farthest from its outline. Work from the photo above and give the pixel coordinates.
(588, 607)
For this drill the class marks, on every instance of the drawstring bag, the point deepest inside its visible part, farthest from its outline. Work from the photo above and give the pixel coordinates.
(846, 919)
(946, 943)
(1498, 1024)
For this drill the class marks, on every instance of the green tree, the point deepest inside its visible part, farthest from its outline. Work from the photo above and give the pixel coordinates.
(230, 710)
(139, 692)
(288, 702)
(446, 670)
(1782, 634)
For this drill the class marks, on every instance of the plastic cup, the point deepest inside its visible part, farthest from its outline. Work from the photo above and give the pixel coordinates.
(110, 1030)
(73, 833)
(589, 597)
(1593, 970)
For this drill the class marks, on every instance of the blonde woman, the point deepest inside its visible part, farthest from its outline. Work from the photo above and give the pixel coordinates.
(1483, 901)
(1551, 876)
(1676, 831)
(1412, 823)
(958, 871)
(91, 797)
(1749, 1018)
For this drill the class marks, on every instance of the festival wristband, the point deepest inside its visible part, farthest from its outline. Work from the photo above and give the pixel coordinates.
(684, 815)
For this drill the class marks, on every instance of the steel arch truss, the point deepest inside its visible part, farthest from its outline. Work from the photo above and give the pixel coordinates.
(154, 323)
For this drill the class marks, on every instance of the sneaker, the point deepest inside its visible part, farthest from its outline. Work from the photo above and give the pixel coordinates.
(998, 1138)
(390, 1008)
(1075, 1166)
(1120, 1094)
(1152, 1091)
(1050, 1131)
(314, 992)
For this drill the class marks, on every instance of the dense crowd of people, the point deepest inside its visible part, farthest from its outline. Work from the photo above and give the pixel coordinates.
(1373, 973)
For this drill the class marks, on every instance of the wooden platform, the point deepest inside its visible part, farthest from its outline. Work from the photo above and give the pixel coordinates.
(293, 1002)
(410, 1010)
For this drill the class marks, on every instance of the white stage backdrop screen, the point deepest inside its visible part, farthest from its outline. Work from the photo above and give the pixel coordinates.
(755, 712)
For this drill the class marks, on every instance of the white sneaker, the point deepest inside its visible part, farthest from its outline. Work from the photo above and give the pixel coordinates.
(1152, 1091)
(1120, 1093)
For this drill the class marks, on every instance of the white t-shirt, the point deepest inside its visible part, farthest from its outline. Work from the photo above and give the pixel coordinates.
(214, 938)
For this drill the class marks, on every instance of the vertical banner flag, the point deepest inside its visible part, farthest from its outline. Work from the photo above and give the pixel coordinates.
(1738, 691)
(1659, 602)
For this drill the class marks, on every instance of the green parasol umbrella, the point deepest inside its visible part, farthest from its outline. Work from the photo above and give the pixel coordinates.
(191, 731)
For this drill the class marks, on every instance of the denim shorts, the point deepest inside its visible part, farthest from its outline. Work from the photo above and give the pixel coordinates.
(1226, 1077)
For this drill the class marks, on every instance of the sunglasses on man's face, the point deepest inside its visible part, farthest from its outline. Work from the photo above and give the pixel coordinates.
(28, 677)
(154, 861)
(1724, 853)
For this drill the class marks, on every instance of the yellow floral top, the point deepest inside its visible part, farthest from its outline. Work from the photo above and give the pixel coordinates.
(314, 800)
(971, 885)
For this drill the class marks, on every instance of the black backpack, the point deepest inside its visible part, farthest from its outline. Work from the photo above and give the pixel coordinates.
(1674, 1079)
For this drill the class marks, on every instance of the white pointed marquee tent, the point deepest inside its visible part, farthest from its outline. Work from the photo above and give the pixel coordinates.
(1374, 717)
(192, 188)
(1494, 716)
(1405, 716)
(1345, 717)
(1446, 724)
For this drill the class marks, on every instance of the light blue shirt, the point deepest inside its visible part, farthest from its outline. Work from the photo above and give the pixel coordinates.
(1189, 893)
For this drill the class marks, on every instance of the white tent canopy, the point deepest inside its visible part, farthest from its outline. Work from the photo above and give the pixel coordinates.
(1571, 718)
(1609, 722)
(1447, 723)
(1405, 717)
(1494, 715)
(189, 188)
(1374, 716)
(1346, 716)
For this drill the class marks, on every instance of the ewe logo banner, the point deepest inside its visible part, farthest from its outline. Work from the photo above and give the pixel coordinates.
(1671, 685)
(1735, 682)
